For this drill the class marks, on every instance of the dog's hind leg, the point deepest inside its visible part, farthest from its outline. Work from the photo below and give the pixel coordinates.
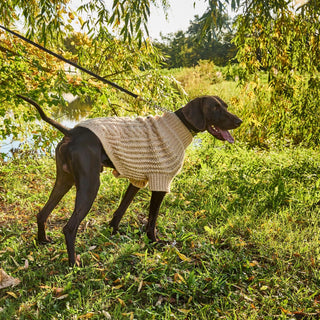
(87, 175)
(64, 182)
(118, 214)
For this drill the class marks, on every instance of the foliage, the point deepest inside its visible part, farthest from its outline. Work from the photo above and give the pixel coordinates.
(284, 121)
(215, 19)
(31, 72)
(199, 80)
(274, 37)
(185, 49)
(282, 38)
(53, 20)
(132, 64)
(264, 124)
(241, 223)
(245, 230)
(284, 41)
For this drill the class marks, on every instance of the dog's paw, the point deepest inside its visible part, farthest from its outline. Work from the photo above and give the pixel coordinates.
(45, 240)
(75, 262)
(160, 243)
(114, 231)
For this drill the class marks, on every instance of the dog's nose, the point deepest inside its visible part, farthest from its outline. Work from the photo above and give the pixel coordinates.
(238, 122)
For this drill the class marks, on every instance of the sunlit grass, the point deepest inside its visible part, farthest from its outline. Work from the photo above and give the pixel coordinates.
(244, 237)
(241, 225)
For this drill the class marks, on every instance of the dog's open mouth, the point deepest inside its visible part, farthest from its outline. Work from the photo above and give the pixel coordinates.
(220, 134)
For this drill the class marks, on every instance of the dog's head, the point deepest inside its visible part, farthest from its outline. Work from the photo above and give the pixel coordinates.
(211, 113)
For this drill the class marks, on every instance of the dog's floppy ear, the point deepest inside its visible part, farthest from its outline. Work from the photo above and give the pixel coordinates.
(193, 112)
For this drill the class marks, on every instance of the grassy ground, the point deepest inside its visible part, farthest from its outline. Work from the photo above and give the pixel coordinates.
(244, 235)
(242, 228)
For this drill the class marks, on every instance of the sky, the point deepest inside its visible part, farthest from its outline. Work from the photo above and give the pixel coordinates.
(180, 13)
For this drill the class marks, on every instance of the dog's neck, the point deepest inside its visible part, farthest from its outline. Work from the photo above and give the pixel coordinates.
(191, 128)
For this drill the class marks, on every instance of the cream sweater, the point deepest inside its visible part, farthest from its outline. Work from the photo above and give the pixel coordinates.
(144, 150)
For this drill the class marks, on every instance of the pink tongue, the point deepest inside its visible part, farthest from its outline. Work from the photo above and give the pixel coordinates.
(227, 136)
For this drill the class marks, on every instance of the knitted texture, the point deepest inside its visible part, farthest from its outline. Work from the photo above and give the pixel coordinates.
(144, 150)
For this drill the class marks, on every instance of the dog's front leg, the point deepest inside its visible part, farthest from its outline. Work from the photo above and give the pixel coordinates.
(127, 199)
(155, 203)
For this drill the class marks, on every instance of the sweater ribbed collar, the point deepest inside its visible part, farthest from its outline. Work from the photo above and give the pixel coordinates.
(179, 127)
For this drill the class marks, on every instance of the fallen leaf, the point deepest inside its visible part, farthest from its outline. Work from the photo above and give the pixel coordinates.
(131, 314)
(71, 15)
(140, 286)
(106, 314)
(7, 281)
(95, 256)
(185, 311)
(178, 278)
(87, 316)
(138, 254)
(285, 311)
(30, 256)
(58, 292)
(117, 287)
(160, 300)
(121, 302)
(317, 299)
(254, 263)
(313, 262)
(182, 256)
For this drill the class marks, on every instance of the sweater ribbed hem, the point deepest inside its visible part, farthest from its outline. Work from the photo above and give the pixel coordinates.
(159, 182)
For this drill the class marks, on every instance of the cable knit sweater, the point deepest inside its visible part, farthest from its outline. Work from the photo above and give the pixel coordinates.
(144, 150)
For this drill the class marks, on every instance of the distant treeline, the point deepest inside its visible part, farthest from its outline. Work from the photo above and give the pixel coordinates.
(185, 49)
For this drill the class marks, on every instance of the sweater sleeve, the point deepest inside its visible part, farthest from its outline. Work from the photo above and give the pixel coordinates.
(160, 182)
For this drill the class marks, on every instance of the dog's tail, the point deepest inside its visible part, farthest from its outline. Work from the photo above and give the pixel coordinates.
(44, 117)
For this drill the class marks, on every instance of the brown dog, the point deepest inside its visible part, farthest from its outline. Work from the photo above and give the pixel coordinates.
(144, 150)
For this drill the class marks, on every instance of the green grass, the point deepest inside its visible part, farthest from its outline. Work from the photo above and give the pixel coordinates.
(244, 234)
(242, 228)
